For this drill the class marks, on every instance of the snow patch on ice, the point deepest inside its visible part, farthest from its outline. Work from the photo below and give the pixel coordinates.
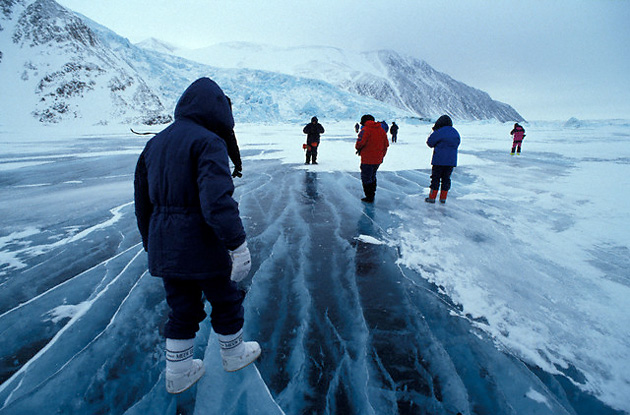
(369, 240)
(67, 311)
(9, 255)
(537, 397)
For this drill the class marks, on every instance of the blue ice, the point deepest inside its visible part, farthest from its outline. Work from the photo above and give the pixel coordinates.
(344, 327)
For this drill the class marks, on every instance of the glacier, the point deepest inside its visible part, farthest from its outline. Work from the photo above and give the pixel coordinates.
(387, 76)
(62, 67)
(509, 299)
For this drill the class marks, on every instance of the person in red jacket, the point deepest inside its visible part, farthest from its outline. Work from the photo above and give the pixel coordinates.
(372, 146)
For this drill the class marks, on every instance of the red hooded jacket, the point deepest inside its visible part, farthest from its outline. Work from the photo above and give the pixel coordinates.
(372, 143)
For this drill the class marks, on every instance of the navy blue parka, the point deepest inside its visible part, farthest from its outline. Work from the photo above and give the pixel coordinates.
(183, 190)
(444, 140)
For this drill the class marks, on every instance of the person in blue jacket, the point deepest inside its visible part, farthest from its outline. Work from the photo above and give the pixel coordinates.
(191, 228)
(444, 140)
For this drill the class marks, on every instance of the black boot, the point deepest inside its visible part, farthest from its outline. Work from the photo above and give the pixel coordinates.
(369, 194)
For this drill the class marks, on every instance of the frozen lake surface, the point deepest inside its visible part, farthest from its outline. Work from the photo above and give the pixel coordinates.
(510, 299)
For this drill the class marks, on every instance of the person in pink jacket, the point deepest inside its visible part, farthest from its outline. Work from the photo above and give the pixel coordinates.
(517, 133)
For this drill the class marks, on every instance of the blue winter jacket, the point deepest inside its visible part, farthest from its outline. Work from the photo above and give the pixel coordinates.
(444, 142)
(183, 190)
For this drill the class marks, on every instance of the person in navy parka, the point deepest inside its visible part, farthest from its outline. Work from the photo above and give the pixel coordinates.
(192, 231)
(444, 140)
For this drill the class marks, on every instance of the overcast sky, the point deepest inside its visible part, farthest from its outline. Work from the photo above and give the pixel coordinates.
(549, 59)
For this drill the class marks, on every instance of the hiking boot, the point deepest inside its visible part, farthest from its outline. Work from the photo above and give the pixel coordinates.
(432, 196)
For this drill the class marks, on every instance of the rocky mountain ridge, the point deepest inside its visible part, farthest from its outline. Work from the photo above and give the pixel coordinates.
(58, 66)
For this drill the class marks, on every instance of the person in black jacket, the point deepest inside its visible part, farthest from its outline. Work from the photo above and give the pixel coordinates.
(192, 231)
(394, 131)
(232, 148)
(312, 130)
(234, 153)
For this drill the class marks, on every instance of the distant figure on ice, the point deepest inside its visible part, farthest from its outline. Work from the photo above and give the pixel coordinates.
(312, 130)
(372, 146)
(394, 131)
(444, 140)
(356, 128)
(191, 228)
(518, 134)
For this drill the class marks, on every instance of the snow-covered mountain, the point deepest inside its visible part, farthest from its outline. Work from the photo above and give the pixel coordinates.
(385, 75)
(57, 66)
(257, 95)
(54, 67)
(158, 46)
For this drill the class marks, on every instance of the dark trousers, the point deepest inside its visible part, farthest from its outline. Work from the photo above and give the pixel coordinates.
(368, 179)
(368, 173)
(311, 152)
(441, 174)
(185, 299)
(516, 145)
